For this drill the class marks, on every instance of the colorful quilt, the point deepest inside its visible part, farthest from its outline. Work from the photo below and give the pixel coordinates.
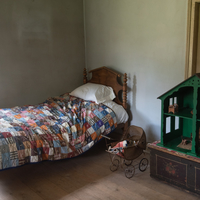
(61, 127)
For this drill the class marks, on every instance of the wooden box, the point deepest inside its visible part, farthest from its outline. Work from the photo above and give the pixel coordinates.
(176, 168)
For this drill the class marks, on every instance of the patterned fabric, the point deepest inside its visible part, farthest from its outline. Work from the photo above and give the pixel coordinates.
(61, 127)
(120, 146)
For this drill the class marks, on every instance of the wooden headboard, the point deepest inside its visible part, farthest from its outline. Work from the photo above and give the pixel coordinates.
(108, 77)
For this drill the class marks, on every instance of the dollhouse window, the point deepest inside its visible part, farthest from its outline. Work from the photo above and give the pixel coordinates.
(176, 123)
(168, 125)
(171, 101)
(175, 100)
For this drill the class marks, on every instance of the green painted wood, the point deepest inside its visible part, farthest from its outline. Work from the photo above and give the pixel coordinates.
(195, 97)
(162, 122)
(188, 99)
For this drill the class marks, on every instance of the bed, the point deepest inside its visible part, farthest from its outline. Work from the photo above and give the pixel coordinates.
(61, 127)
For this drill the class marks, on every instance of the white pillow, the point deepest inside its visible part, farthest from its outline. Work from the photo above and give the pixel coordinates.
(94, 92)
(121, 114)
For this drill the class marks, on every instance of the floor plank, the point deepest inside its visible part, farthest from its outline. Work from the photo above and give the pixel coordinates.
(85, 177)
(12, 188)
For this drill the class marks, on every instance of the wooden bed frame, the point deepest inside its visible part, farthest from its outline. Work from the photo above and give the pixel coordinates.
(108, 77)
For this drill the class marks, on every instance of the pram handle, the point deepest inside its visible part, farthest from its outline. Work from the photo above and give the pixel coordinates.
(106, 137)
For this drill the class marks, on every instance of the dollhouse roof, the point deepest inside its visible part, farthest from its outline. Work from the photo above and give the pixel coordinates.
(197, 75)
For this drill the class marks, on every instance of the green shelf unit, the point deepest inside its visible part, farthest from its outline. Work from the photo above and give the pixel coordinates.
(184, 113)
(173, 145)
(183, 123)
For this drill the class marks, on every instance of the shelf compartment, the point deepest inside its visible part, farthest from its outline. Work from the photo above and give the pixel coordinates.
(173, 144)
(183, 112)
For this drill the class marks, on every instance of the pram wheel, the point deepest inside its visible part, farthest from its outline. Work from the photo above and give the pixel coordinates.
(143, 164)
(128, 162)
(114, 166)
(129, 171)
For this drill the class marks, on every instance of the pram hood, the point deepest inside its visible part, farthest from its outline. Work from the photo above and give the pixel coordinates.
(135, 133)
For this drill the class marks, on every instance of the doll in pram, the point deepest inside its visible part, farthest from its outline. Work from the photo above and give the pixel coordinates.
(123, 152)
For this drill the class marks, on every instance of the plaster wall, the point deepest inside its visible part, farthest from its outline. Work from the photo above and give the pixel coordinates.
(145, 39)
(41, 51)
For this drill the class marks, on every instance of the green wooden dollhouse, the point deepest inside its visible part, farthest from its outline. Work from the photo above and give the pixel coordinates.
(180, 117)
(176, 157)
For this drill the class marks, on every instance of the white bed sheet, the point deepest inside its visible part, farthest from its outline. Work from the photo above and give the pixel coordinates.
(121, 114)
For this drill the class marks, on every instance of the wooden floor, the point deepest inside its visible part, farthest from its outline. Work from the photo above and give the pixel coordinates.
(85, 177)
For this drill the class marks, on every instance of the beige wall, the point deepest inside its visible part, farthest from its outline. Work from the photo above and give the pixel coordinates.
(41, 49)
(147, 40)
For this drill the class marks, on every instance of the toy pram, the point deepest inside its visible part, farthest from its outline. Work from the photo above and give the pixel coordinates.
(124, 151)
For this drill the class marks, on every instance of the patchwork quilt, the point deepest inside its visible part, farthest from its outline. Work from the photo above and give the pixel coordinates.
(61, 127)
